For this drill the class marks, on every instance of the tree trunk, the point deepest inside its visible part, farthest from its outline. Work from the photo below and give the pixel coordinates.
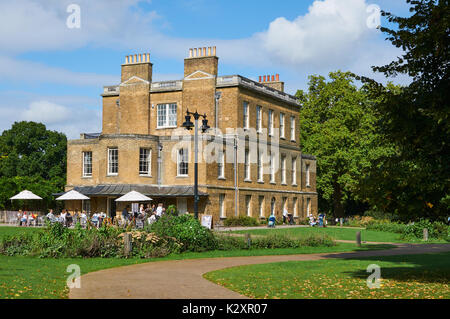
(338, 207)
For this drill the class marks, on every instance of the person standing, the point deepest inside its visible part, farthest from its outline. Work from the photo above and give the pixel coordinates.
(285, 215)
(125, 215)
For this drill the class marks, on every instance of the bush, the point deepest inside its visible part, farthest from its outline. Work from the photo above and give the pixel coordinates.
(187, 230)
(358, 221)
(387, 226)
(272, 241)
(241, 221)
(437, 230)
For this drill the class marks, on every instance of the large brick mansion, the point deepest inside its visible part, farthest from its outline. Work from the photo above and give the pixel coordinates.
(136, 149)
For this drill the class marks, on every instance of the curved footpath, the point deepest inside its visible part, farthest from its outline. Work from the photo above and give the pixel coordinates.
(182, 279)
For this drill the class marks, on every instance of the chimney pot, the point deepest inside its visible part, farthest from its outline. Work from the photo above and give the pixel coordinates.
(190, 53)
(204, 51)
(214, 51)
(278, 78)
(148, 57)
(273, 78)
(264, 78)
(260, 79)
(135, 58)
(209, 51)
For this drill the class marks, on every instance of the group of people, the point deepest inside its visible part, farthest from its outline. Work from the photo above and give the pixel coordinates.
(146, 213)
(321, 221)
(27, 219)
(66, 218)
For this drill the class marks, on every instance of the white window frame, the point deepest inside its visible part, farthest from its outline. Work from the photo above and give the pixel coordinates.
(270, 124)
(184, 157)
(272, 168)
(307, 178)
(248, 205)
(222, 206)
(283, 169)
(260, 168)
(167, 115)
(295, 207)
(221, 165)
(261, 206)
(258, 119)
(282, 126)
(111, 162)
(246, 114)
(247, 166)
(294, 170)
(85, 164)
(292, 128)
(147, 161)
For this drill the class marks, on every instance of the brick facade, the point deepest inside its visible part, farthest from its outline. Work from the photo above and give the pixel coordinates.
(130, 123)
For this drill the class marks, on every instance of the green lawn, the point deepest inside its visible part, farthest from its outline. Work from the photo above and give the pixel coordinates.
(412, 277)
(336, 233)
(29, 277)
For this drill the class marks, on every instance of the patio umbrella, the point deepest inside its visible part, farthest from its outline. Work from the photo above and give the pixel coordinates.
(133, 196)
(25, 195)
(73, 195)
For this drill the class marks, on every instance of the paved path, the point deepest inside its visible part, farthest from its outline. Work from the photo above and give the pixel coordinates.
(182, 279)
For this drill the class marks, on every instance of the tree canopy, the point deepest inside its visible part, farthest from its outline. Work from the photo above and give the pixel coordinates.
(33, 158)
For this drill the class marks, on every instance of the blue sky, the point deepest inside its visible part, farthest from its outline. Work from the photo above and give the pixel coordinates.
(54, 74)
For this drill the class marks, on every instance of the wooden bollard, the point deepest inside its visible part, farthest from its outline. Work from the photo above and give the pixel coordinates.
(127, 244)
(341, 221)
(248, 239)
(425, 234)
(358, 239)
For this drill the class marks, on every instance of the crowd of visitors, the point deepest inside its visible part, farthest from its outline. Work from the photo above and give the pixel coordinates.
(27, 218)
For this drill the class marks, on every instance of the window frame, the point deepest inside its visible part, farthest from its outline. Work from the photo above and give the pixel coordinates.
(86, 175)
(167, 116)
(293, 139)
(181, 160)
(110, 163)
(270, 124)
(221, 165)
(294, 170)
(307, 175)
(148, 161)
(282, 125)
(259, 119)
(246, 114)
(283, 170)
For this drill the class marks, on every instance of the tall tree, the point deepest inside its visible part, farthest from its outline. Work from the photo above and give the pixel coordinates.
(416, 119)
(31, 157)
(338, 125)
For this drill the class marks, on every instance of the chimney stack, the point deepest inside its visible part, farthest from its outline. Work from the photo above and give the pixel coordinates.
(272, 81)
(201, 59)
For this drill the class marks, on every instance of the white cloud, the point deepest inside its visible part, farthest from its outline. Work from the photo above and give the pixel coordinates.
(46, 112)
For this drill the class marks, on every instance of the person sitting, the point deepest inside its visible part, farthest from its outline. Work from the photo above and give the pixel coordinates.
(312, 221)
(24, 219)
(19, 217)
(50, 217)
(125, 215)
(83, 219)
(151, 219)
(31, 219)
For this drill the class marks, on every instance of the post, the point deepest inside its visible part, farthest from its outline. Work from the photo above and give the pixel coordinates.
(248, 239)
(196, 168)
(425, 234)
(127, 244)
(341, 221)
(358, 238)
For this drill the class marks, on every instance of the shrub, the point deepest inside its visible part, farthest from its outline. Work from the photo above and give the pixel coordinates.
(187, 230)
(437, 230)
(241, 221)
(387, 226)
(358, 221)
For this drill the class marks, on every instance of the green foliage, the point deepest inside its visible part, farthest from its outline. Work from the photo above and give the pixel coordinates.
(415, 181)
(185, 229)
(246, 221)
(339, 127)
(435, 230)
(33, 158)
(387, 226)
(273, 241)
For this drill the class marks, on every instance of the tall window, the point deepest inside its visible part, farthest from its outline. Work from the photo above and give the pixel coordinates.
(246, 116)
(260, 168)
(308, 206)
(282, 125)
(113, 161)
(295, 207)
(272, 206)
(183, 164)
(307, 175)
(87, 164)
(258, 118)
(221, 165)
(145, 161)
(270, 124)
(272, 168)
(248, 200)
(294, 170)
(283, 169)
(247, 165)
(222, 205)
(292, 128)
(167, 115)
(261, 206)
